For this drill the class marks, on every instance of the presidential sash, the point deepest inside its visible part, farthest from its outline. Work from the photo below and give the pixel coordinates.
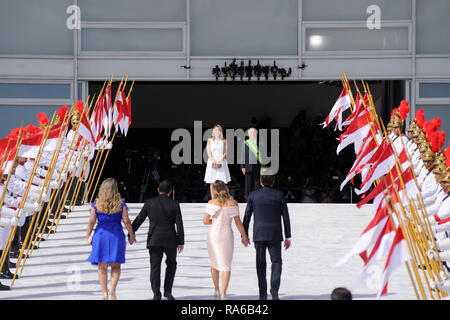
(254, 148)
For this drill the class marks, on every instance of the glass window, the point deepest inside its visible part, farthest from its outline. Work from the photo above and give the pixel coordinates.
(35, 27)
(356, 39)
(432, 26)
(244, 27)
(441, 111)
(354, 10)
(152, 39)
(35, 90)
(80, 90)
(133, 10)
(12, 116)
(434, 89)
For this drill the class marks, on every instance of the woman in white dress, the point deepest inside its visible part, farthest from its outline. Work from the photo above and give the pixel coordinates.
(217, 166)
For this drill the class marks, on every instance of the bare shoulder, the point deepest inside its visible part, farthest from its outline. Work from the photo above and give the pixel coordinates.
(212, 201)
(232, 203)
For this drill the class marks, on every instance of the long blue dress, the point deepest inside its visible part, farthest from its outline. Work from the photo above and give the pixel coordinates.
(108, 242)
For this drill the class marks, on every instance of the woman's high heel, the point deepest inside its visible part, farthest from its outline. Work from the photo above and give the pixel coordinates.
(216, 293)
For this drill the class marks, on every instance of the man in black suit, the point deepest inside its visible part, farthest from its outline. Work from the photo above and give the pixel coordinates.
(250, 166)
(164, 214)
(268, 205)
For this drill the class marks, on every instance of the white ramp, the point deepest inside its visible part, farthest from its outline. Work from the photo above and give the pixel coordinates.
(321, 235)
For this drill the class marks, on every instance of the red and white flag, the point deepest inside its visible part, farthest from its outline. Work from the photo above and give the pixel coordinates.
(369, 236)
(355, 133)
(84, 128)
(107, 112)
(96, 118)
(125, 121)
(343, 103)
(398, 254)
(360, 108)
(382, 166)
(369, 147)
(380, 250)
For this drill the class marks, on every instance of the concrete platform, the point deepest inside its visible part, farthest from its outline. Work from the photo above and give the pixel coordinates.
(321, 235)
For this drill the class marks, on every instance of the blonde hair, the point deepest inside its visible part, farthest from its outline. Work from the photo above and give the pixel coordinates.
(109, 199)
(220, 192)
(221, 131)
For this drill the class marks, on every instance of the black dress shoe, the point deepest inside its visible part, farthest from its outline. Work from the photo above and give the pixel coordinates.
(274, 294)
(65, 210)
(6, 275)
(157, 297)
(263, 297)
(169, 296)
(3, 287)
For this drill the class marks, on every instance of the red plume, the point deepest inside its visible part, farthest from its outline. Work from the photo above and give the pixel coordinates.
(420, 118)
(434, 141)
(442, 135)
(403, 109)
(62, 111)
(42, 117)
(428, 127)
(393, 112)
(30, 129)
(80, 106)
(437, 123)
(15, 132)
(447, 156)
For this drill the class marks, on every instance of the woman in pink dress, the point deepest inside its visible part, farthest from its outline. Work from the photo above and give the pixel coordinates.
(220, 211)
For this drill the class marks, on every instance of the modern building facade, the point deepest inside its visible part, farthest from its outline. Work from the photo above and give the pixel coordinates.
(50, 50)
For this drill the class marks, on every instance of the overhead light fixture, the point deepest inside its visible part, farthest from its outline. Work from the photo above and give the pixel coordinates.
(315, 40)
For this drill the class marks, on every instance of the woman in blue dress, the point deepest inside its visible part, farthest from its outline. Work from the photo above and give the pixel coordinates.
(108, 241)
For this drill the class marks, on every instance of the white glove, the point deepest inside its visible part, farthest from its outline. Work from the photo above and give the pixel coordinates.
(54, 184)
(109, 145)
(36, 206)
(14, 221)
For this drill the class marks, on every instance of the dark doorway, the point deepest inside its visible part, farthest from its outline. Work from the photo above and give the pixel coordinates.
(310, 170)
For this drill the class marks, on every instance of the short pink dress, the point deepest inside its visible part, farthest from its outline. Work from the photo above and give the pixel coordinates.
(220, 240)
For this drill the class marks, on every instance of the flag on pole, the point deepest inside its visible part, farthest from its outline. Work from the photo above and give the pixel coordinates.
(355, 133)
(369, 235)
(84, 128)
(382, 166)
(125, 122)
(97, 117)
(398, 254)
(380, 250)
(343, 103)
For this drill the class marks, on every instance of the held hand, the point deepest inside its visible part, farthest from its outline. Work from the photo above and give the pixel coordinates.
(243, 171)
(287, 244)
(180, 248)
(245, 241)
(132, 239)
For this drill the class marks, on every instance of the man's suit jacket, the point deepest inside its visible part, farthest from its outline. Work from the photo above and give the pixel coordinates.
(269, 206)
(164, 213)
(249, 161)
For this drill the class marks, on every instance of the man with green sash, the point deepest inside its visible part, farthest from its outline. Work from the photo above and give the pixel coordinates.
(251, 163)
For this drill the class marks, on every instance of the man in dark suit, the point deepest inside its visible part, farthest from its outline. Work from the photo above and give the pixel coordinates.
(250, 166)
(164, 214)
(268, 205)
